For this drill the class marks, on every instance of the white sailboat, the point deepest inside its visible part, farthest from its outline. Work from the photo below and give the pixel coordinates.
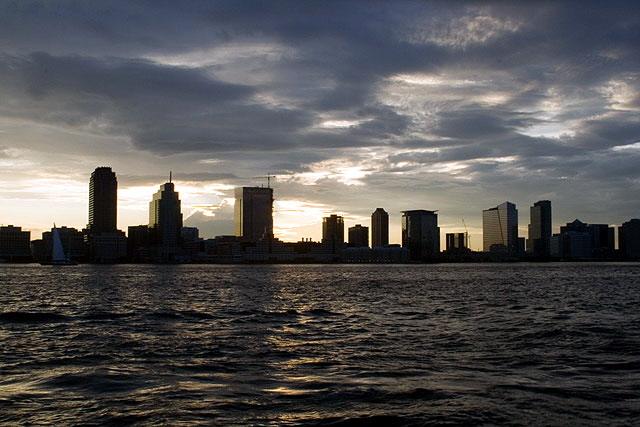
(57, 253)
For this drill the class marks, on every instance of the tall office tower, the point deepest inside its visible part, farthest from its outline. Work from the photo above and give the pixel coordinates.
(420, 234)
(165, 221)
(333, 229)
(539, 243)
(359, 236)
(456, 242)
(253, 213)
(103, 201)
(629, 239)
(500, 228)
(379, 228)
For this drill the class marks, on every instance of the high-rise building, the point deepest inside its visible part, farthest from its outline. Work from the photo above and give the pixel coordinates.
(165, 222)
(500, 228)
(253, 213)
(456, 242)
(379, 228)
(333, 229)
(103, 201)
(105, 242)
(420, 234)
(629, 239)
(359, 236)
(540, 229)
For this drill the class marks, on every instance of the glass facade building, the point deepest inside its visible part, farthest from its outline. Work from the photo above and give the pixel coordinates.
(420, 234)
(539, 242)
(500, 228)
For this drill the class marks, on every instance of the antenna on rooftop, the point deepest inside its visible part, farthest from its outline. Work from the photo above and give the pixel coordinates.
(170, 173)
(268, 176)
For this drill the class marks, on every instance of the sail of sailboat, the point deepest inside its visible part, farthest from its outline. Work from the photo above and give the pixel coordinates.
(58, 256)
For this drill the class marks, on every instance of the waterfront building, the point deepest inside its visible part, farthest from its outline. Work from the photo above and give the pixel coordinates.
(378, 254)
(629, 239)
(165, 223)
(603, 240)
(421, 234)
(500, 228)
(333, 233)
(456, 242)
(72, 240)
(253, 213)
(359, 236)
(105, 243)
(192, 243)
(103, 200)
(138, 243)
(539, 240)
(107, 247)
(379, 228)
(15, 244)
(575, 241)
(333, 229)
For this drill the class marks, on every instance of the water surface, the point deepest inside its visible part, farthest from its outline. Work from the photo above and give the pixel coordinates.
(473, 344)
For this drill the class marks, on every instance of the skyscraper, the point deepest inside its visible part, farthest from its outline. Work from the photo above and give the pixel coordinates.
(540, 229)
(629, 239)
(359, 236)
(420, 234)
(500, 228)
(456, 242)
(253, 213)
(165, 222)
(105, 242)
(379, 228)
(103, 201)
(333, 229)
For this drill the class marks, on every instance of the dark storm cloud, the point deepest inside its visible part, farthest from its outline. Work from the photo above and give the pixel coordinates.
(162, 108)
(136, 180)
(478, 123)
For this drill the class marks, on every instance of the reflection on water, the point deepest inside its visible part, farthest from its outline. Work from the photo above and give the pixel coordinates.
(275, 344)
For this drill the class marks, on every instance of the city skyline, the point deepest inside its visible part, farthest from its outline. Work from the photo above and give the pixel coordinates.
(404, 105)
(165, 239)
(263, 216)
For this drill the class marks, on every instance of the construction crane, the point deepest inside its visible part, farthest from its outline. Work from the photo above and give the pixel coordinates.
(268, 176)
(466, 234)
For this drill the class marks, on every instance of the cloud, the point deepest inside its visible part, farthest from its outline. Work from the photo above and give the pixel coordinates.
(354, 105)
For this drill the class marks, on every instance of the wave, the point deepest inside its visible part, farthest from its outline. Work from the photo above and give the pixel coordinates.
(31, 317)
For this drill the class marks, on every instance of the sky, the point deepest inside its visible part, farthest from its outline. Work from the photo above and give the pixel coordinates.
(352, 105)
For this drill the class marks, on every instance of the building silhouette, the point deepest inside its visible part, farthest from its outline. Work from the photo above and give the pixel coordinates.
(253, 213)
(539, 243)
(15, 244)
(629, 239)
(73, 243)
(105, 243)
(165, 223)
(456, 242)
(379, 228)
(421, 234)
(500, 229)
(579, 240)
(333, 233)
(103, 200)
(359, 236)
(138, 243)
